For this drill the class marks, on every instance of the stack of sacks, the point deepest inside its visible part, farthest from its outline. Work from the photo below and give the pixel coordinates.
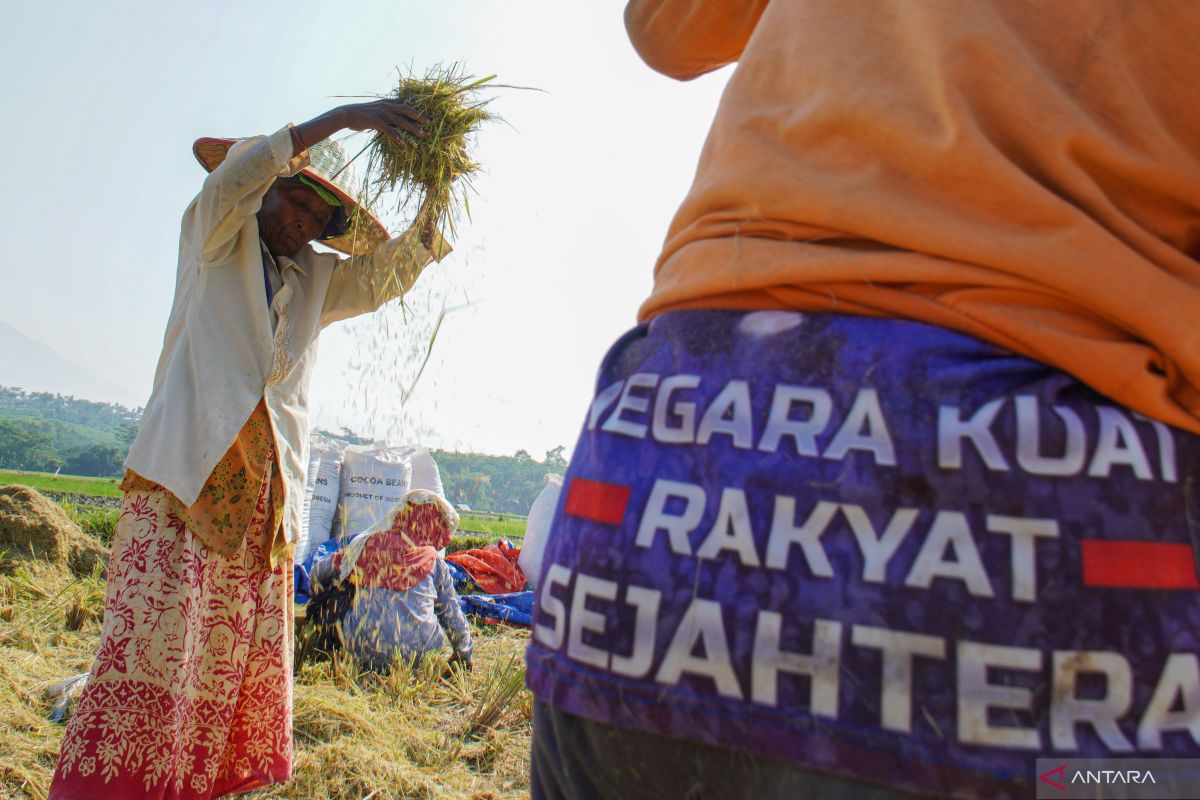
(320, 495)
(374, 479)
(369, 481)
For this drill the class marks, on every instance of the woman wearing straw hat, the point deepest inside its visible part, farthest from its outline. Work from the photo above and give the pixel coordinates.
(190, 692)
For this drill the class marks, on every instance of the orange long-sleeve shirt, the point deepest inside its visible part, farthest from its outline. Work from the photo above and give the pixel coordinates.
(1023, 171)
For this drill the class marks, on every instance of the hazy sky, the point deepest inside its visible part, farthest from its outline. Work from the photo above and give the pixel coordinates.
(102, 101)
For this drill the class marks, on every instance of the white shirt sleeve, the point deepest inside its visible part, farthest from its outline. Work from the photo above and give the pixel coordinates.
(234, 191)
(361, 284)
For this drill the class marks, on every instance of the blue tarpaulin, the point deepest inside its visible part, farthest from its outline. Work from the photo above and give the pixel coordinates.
(514, 608)
(303, 589)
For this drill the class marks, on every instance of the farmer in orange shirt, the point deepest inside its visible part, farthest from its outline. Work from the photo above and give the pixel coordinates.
(890, 492)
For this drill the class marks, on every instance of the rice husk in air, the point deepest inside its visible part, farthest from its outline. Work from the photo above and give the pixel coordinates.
(434, 172)
(425, 181)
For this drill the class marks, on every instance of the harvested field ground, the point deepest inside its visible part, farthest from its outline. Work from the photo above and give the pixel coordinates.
(64, 484)
(423, 733)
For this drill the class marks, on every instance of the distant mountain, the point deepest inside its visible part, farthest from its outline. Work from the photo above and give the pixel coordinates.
(33, 366)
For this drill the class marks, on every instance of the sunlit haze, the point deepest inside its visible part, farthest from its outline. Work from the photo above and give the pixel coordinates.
(104, 100)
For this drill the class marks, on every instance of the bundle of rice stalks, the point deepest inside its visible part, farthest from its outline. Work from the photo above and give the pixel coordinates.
(433, 172)
(500, 687)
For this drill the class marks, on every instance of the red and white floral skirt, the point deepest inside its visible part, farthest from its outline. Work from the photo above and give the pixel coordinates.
(190, 695)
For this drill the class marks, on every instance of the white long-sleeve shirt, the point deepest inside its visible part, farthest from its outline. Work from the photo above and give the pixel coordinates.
(222, 353)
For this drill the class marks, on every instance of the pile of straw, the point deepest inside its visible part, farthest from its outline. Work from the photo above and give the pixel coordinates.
(33, 526)
(433, 172)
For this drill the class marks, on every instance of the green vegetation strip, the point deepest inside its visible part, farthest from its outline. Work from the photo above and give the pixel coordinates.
(475, 528)
(493, 525)
(71, 484)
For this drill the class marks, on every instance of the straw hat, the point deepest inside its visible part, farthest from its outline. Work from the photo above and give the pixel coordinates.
(329, 167)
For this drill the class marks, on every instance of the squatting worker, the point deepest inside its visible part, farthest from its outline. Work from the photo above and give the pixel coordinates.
(890, 491)
(387, 597)
(190, 695)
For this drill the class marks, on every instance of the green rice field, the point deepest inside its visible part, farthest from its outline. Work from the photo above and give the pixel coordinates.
(72, 484)
(474, 526)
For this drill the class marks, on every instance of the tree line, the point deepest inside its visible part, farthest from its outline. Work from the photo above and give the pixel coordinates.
(505, 484)
(45, 432)
(109, 417)
(42, 432)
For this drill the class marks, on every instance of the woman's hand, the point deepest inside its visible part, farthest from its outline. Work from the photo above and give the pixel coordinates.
(389, 117)
(385, 116)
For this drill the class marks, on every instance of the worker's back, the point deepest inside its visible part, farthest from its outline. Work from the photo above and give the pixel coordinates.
(1023, 171)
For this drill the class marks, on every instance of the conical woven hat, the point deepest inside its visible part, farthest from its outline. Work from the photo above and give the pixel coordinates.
(329, 167)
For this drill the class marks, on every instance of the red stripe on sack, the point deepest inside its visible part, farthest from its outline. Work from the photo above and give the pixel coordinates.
(1139, 565)
(597, 501)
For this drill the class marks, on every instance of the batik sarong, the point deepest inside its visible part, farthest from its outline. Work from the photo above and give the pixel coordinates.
(190, 694)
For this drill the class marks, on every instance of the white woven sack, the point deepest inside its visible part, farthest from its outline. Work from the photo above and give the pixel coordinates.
(320, 494)
(425, 472)
(373, 479)
(537, 530)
